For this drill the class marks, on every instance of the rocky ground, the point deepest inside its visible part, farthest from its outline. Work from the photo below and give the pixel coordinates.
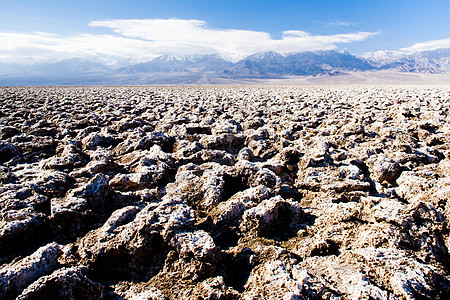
(225, 193)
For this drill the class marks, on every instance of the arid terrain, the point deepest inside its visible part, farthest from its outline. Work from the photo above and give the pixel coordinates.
(225, 192)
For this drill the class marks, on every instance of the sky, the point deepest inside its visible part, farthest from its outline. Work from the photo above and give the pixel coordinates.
(139, 30)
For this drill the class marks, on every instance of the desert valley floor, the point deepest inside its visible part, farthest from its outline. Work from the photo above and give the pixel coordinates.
(225, 192)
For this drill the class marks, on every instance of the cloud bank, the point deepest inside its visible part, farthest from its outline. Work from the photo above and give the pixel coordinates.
(175, 35)
(428, 46)
(141, 40)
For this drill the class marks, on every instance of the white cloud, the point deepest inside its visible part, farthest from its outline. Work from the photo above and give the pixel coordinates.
(295, 33)
(341, 23)
(141, 40)
(429, 45)
(45, 47)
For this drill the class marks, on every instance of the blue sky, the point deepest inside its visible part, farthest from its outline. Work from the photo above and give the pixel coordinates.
(60, 29)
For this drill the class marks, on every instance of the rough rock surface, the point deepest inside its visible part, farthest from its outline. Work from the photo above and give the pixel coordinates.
(280, 192)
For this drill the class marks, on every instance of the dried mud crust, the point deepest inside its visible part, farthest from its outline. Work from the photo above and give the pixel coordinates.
(272, 192)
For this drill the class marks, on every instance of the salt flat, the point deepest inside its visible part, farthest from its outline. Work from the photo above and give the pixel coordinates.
(226, 192)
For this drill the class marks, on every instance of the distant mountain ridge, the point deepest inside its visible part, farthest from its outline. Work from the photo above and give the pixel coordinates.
(201, 68)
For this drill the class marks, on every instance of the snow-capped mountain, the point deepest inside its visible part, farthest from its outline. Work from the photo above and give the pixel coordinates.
(270, 64)
(383, 57)
(435, 61)
(174, 64)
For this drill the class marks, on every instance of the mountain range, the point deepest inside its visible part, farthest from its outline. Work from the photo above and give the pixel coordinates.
(214, 68)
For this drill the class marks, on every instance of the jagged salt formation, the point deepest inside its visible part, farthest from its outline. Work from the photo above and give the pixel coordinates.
(225, 193)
